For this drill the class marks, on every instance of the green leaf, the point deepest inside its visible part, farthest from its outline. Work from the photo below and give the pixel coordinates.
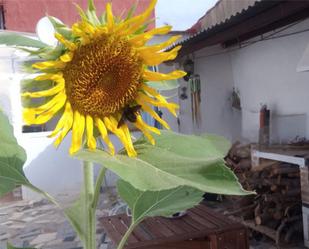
(60, 27)
(159, 203)
(12, 39)
(176, 160)
(92, 14)
(9, 246)
(131, 11)
(34, 85)
(91, 6)
(219, 142)
(12, 158)
(163, 85)
(47, 53)
(76, 215)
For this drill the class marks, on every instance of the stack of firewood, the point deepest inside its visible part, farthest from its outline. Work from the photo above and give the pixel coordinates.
(275, 210)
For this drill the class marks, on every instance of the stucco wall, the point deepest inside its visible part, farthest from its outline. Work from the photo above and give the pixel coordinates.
(217, 83)
(22, 15)
(265, 73)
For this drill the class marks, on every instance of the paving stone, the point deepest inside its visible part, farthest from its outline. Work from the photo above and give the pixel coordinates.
(44, 225)
(17, 226)
(31, 234)
(4, 236)
(69, 238)
(43, 238)
(64, 245)
(103, 246)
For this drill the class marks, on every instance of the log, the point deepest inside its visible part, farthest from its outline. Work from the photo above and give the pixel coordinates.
(278, 195)
(265, 165)
(285, 170)
(296, 227)
(244, 164)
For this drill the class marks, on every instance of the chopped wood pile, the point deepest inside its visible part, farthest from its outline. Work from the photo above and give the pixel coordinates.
(275, 210)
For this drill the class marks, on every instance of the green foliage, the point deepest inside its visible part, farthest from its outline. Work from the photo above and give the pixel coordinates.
(131, 11)
(12, 158)
(176, 160)
(12, 39)
(60, 27)
(76, 215)
(158, 203)
(90, 15)
(9, 246)
(163, 85)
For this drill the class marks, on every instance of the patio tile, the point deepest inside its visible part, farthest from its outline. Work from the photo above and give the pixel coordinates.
(42, 224)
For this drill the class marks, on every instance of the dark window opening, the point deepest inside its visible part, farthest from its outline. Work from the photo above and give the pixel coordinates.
(2, 17)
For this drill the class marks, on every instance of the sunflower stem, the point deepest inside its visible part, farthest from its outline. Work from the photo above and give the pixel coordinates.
(127, 235)
(90, 240)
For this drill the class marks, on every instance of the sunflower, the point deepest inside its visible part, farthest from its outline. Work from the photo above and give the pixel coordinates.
(99, 80)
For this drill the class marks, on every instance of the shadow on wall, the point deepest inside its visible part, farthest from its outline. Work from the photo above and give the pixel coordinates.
(285, 128)
(54, 170)
(5, 105)
(50, 169)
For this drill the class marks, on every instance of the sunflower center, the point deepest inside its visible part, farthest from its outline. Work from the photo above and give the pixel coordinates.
(103, 76)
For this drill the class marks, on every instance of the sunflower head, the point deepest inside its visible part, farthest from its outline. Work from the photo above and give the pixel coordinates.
(98, 78)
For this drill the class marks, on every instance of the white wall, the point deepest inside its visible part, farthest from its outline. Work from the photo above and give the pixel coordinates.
(217, 83)
(265, 72)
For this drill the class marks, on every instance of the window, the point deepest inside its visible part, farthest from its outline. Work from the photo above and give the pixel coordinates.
(2, 19)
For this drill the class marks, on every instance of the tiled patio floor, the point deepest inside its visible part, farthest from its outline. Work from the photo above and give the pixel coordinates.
(42, 225)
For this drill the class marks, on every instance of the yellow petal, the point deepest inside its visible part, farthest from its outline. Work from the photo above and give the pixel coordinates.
(77, 132)
(146, 99)
(58, 77)
(46, 116)
(91, 142)
(152, 59)
(68, 122)
(49, 64)
(99, 123)
(70, 45)
(66, 118)
(111, 124)
(130, 149)
(142, 39)
(28, 116)
(49, 104)
(154, 76)
(159, 47)
(141, 127)
(87, 28)
(101, 30)
(133, 24)
(77, 31)
(67, 57)
(109, 17)
(148, 127)
(50, 92)
(155, 115)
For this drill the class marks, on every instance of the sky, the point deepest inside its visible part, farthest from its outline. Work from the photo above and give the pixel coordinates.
(181, 14)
